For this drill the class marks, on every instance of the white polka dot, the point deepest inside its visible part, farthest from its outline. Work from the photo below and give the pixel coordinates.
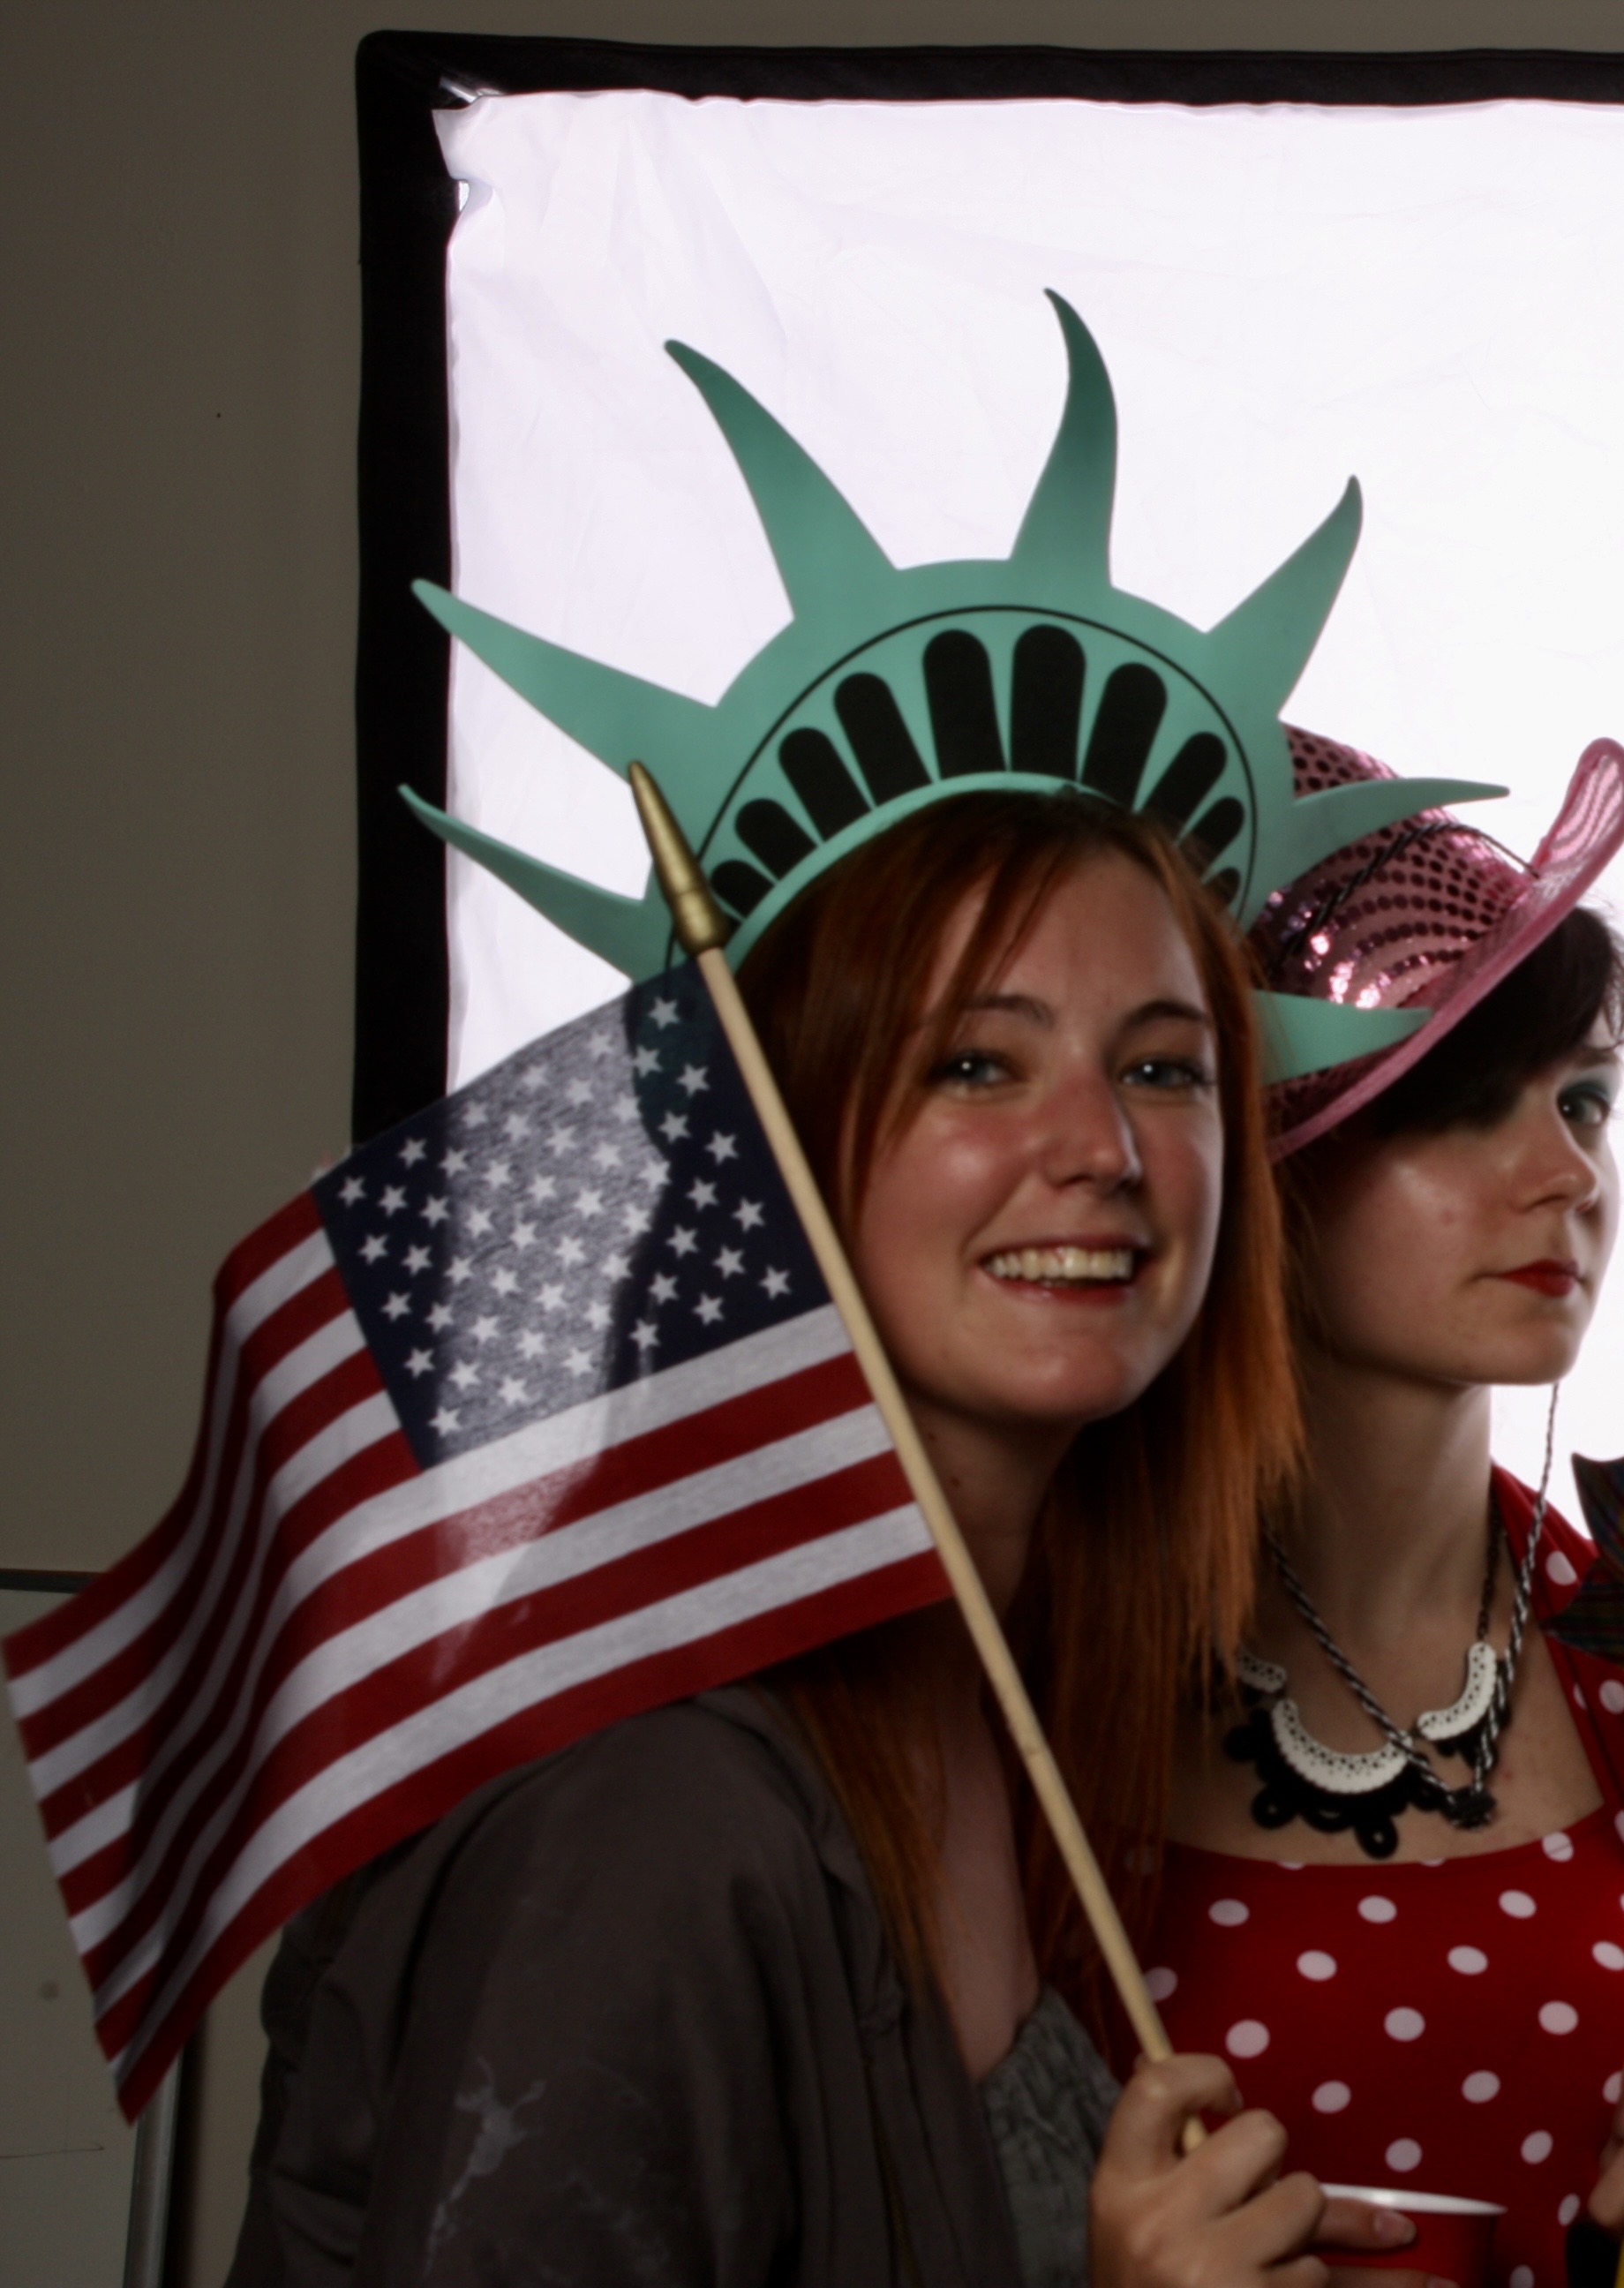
(1537, 2147)
(1316, 1966)
(1469, 1961)
(1612, 2088)
(1518, 1903)
(1247, 2038)
(1478, 2088)
(1230, 1912)
(1558, 1567)
(1291, 1866)
(1569, 2210)
(1402, 2155)
(1558, 2017)
(1405, 2025)
(1332, 2097)
(1376, 1909)
(1579, 1696)
(1558, 1846)
(1433, 1863)
(1521, 2275)
(1610, 1957)
(1611, 1696)
(1618, 1823)
(1160, 1983)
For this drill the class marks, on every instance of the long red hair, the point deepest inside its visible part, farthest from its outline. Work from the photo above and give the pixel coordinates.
(1141, 1571)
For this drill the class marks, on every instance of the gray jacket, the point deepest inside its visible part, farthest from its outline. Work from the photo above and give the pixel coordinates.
(626, 2016)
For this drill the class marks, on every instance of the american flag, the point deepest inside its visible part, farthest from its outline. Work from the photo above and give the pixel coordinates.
(533, 1413)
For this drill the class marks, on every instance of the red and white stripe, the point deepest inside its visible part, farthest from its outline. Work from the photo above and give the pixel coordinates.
(322, 1646)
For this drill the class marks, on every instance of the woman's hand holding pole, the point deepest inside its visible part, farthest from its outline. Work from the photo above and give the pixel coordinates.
(1225, 2215)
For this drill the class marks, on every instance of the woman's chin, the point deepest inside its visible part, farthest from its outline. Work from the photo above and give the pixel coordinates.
(1056, 1396)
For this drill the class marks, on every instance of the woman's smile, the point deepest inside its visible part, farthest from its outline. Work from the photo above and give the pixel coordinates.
(1090, 1270)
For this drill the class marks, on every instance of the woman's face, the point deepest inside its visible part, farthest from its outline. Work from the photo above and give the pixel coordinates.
(1471, 1256)
(1035, 1241)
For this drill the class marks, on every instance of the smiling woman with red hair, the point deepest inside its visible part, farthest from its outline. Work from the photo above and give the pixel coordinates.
(784, 1984)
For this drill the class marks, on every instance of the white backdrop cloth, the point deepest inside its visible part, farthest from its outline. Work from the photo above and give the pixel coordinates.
(1432, 299)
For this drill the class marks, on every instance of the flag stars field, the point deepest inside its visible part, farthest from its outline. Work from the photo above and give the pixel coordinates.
(488, 1194)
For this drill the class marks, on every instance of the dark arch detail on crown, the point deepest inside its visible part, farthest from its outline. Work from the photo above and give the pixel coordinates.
(812, 766)
(1187, 780)
(963, 714)
(880, 741)
(766, 829)
(1045, 703)
(1131, 707)
(739, 885)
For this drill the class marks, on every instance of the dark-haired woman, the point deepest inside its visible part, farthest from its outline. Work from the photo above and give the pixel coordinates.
(1395, 1894)
(769, 1986)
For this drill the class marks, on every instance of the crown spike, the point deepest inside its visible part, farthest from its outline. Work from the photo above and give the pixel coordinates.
(613, 716)
(632, 934)
(1263, 645)
(1066, 532)
(1314, 825)
(1301, 1035)
(822, 546)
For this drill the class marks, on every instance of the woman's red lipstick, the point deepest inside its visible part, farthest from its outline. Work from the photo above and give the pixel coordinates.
(1549, 1276)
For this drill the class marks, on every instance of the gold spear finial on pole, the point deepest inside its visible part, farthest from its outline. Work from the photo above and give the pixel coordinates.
(701, 930)
(699, 921)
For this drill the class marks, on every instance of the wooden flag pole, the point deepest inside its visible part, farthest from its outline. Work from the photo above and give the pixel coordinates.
(701, 931)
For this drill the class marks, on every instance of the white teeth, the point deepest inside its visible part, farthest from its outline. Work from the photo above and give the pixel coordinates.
(1056, 1265)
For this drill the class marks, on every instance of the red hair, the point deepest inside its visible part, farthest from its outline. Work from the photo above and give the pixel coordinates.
(1141, 1571)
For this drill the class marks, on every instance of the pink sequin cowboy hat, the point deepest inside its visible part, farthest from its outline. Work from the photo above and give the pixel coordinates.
(1427, 915)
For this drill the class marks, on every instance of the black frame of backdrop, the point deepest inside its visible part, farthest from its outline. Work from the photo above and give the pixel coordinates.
(408, 207)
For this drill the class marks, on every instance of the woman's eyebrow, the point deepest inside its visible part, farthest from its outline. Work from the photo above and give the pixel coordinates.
(1148, 1012)
(1039, 1013)
(1012, 1004)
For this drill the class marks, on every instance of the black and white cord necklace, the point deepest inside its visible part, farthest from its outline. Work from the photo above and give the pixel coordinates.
(1334, 1791)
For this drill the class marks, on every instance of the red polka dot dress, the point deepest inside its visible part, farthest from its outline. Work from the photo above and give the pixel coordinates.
(1455, 2025)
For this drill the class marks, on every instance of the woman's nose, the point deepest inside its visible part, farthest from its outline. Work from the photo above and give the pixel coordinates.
(1552, 1163)
(1088, 1138)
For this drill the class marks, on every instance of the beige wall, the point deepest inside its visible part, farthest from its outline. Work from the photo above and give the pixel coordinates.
(180, 385)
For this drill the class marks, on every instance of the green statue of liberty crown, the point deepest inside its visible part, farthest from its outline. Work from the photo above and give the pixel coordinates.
(890, 689)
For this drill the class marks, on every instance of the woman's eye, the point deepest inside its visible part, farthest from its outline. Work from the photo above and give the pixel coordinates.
(1586, 1106)
(969, 1069)
(1169, 1072)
